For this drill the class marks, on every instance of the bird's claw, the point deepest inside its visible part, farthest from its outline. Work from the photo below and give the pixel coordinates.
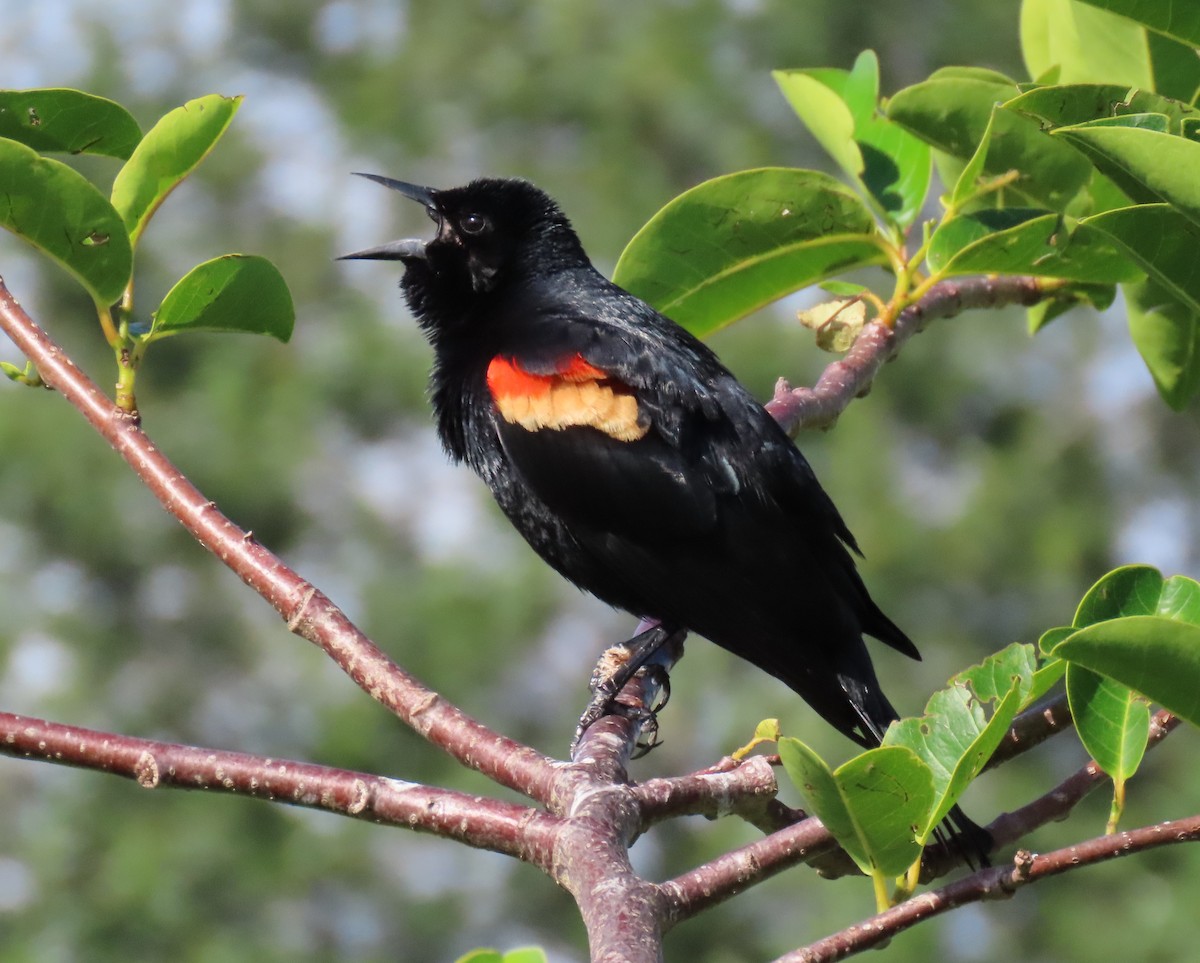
(604, 702)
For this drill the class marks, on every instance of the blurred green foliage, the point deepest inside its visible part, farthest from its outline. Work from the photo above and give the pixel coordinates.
(990, 478)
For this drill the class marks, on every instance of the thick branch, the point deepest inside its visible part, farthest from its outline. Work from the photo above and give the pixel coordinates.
(519, 831)
(308, 612)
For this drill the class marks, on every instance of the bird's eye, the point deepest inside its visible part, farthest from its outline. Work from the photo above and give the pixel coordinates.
(473, 224)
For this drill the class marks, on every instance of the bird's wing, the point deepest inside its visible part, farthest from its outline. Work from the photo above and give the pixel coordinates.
(596, 450)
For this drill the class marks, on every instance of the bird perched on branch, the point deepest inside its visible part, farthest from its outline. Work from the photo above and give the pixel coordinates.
(629, 457)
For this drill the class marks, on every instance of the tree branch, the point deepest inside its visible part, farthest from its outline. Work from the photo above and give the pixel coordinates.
(527, 834)
(999, 882)
(307, 611)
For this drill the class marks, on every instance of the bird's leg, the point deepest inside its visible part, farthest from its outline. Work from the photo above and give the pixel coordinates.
(617, 666)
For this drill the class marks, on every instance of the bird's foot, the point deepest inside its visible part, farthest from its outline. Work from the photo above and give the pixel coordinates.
(615, 668)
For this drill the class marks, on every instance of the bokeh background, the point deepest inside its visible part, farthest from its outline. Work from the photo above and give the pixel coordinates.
(991, 479)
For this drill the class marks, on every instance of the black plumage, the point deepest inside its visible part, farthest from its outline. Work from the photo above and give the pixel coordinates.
(664, 488)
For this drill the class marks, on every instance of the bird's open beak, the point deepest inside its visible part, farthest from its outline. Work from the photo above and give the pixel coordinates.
(409, 248)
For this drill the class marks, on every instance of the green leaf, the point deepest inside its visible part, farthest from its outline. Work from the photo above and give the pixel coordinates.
(1157, 656)
(1160, 163)
(736, 243)
(1143, 632)
(1099, 296)
(1089, 45)
(954, 737)
(967, 183)
(1128, 590)
(234, 292)
(1018, 241)
(525, 954)
(1160, 240)
(1051, 637)
(59, 212)
(169, 152)
(1179, 20)
(951, 111)
(871, 804)
(1166, 333)
(886, 162)
(824, 113)
(58, 119)
(1112, 721)
(1045, 679)
(1064, 105)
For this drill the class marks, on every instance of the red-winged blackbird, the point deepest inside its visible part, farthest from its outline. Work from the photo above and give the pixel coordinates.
(628, 456)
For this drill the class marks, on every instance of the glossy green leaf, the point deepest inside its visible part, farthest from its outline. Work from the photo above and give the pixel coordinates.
(1064, 105)
(1113, 722)
(524, 954)
(59, 212)
(839, 108)
(828, 118)
(955, 737)
(1128, 590)
(1045, 679)
(871, 804)
(1180, 20)
(1051, 637)
(169, 152)
(736, 243)
(235, 292)
(1018, 241)
(951, 111)
(1166, 333)
(1157, 656)
(1089, 45)
(1161, 163)
(1164, 311)
(968, 179)
(59, 119)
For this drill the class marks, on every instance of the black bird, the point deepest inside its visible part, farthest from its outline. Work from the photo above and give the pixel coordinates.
(629, 457)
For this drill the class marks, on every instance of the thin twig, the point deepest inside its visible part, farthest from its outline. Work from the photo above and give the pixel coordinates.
(999, 882)
(851, 377)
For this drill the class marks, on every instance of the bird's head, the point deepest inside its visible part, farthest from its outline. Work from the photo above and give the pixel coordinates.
(488, 232)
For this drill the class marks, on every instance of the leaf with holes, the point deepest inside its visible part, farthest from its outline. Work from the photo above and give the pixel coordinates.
(60, 213)
(169, 152)
(872, 804)
(955, 738)
(58, 119)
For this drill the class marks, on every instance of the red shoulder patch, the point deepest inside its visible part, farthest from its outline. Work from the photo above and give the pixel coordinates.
(577, 394)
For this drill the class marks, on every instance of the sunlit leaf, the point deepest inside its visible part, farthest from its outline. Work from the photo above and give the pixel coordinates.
(872, 804)
(955, 737)
(736, 243)
(1160, 163)
(1159, 657)
(952, 110)
(235, 292)
(59, 212)
(1015, 241)
(1112, 721)
(59, 119)
(169, 152)
(1180, 20)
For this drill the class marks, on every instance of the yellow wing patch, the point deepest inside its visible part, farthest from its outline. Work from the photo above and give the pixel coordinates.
(577, 395)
